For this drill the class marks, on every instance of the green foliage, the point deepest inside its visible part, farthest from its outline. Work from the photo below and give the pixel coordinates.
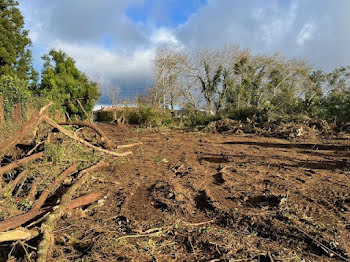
(55, 153)
(336, 107)
(68, 87)
(13, 91)
(251, 112)
(148, 116)
(15, 57)
(199, 118)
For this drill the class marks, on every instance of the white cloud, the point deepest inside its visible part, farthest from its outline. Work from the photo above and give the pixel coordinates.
(305, 34)
(108, 67)
(164, 36)
(316, 29)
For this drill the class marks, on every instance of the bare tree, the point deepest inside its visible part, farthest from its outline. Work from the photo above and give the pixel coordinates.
(169, 64)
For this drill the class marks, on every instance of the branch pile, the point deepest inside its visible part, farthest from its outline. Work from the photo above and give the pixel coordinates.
(40, 219)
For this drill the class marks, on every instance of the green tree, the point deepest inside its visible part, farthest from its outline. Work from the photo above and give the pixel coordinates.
(68, 87)
(337, 103)
(15, 57)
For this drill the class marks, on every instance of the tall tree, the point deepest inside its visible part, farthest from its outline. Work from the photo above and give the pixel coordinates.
(66, 85)
(15, 57)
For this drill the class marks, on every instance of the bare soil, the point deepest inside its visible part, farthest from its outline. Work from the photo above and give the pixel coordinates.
(186, 196)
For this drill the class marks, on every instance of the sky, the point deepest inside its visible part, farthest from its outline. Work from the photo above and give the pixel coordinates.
(114, 41)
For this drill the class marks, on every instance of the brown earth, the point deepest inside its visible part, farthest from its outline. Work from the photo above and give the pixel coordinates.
(186, 196)
(208, 197)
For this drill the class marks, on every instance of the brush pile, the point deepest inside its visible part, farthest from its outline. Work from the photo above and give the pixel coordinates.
(43, 168)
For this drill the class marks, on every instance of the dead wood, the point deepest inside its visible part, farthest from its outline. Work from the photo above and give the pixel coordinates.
(44, 195)
(28, 128)
(83, 109)
(82, 141)
(84, 200)
(32, 192)
(107, 144)
(17, 221)
(18, 163)
(130, 145)
(49, 225)
(18, 234)
(12, 185)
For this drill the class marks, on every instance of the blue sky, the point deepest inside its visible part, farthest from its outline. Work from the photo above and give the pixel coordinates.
(164, 13)
(114, 41)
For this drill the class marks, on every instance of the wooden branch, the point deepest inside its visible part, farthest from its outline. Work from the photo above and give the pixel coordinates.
(92, 168)
(130, 145)
(28, 128)
(32, 192)
(18, 163)
(82, 141)
(18, 234)
(84, 200)
(17, 221)
(48, 226)
(83, 109)
(58, 180)
(34, 148)
(106, 142)
(12, 185)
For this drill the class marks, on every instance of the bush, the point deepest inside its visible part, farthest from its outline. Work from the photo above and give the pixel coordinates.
(198, 118)
(337, 107)
(13, 91)
(148, 116)
(249, 112)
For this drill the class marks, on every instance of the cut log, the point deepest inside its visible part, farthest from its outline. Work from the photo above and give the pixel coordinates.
(17, 221)
(107, 144)
(18, 163)
(84, 200)
(18, 234)
(48, 226)
(28, 128)
(82, 141)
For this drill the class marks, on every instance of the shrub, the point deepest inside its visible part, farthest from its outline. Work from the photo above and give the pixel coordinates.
(248, 112)
(13, 91)
(199, 118)
(148, 116)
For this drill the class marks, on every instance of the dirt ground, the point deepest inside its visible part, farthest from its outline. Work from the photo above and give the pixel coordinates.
(186, 196)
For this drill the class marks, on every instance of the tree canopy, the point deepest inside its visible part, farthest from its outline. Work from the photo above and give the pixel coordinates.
(63, 83)
(15, 57)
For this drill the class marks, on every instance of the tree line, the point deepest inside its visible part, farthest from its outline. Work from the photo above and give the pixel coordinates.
(235, 82)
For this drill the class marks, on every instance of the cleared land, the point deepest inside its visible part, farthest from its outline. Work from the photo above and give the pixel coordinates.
(186, 196)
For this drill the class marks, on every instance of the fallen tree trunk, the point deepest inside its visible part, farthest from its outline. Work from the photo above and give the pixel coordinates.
(18, 234)
(82, 141)
(107, 144)
(29, 127)
(18, 163)
(48, 226)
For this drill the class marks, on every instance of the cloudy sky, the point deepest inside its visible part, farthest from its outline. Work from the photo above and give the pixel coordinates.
(114, 41)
